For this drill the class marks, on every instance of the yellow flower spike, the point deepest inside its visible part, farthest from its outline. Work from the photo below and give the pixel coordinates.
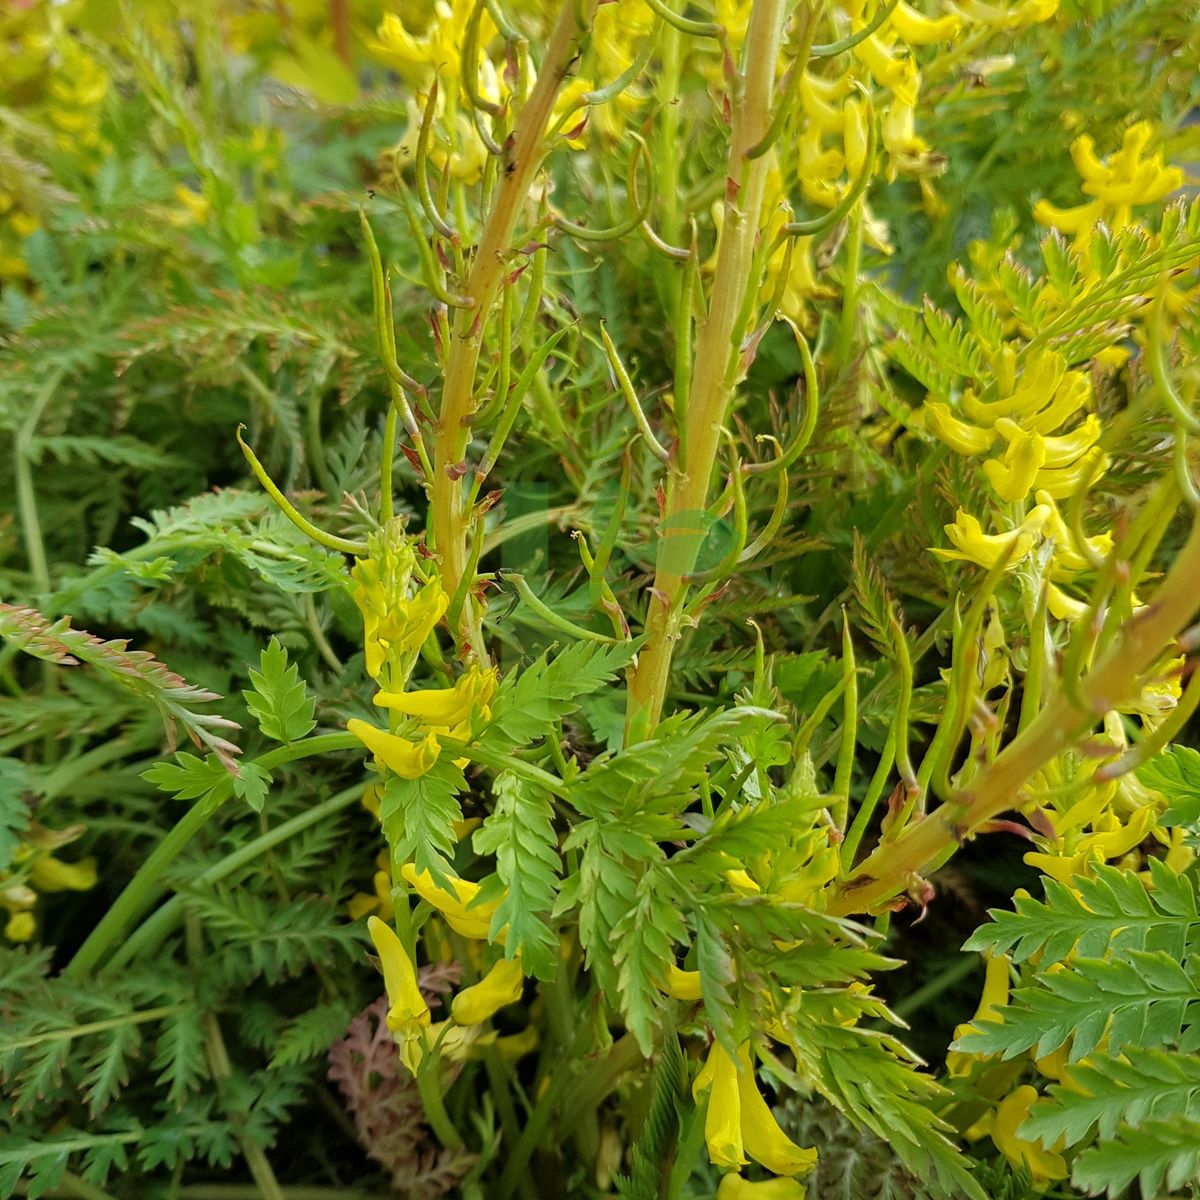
(408, 1016)
(919, 30)
(1013, 477)
(723, 1119)
(49, 874)
(470, 920)
(1044, 1165)
(762, 1137)
(1063, 483)
(500, 986)
(1059, 451)
(734, 1187)
(682, 985)
(445, 707)
(961, 436)
(409, 760)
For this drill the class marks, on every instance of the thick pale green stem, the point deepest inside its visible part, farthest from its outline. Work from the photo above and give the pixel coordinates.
(715, 374)
(448, 517)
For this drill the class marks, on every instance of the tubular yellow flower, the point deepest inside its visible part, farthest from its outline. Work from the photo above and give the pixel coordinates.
(762, 1137)
(1058, 451)
(682, 985)
(1013, 476)
(1064, 482)
(987, 549)
(445, 707)
(408, 1016)
(49, 874)
(892, 67)
(1071, 395)
(409, 760)
(961, 436)
(734, 1187)
(723, 1119)
(1064, 606)
(471, 920)
(1044, 1165)
(20, 926)
(993, 998)
(821, 107)
(919, 30)
(500, 986)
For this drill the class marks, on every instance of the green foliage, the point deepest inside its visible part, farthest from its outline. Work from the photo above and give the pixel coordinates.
(418, 817)
(1111, 910)
(654, 1151)
(519, 832)
(1140, 998)
(279, 700)
(1176, 774)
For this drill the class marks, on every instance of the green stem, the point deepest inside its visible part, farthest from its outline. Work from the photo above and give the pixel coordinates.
(31, 528)
(142, 890)
(77, 1031)
(149, 935)
(854, 241)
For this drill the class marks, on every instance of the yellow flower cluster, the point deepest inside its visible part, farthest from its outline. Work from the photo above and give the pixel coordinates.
(1042, 440)
(832, 144)
(1125, 180)
(35, 869)
(408, 1015)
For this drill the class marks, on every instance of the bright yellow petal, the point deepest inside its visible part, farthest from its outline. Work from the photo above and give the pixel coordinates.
(500, 986)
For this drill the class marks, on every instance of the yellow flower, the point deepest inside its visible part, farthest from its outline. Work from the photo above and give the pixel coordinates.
(762, 1137)
(682, 985)
(1013, 476)
(961, 436)
(49, 874)
(445, 708)
(723, 1118)
(988, 549)
(380, 901)
(409, 760)
(1014, 16)
(734, 1187)
(739, 1121)
(1044, 1165)
(408, 1016)
(437, 49)
(919, 30)
(1118, 184)
(994, 998)
(500, 986)
(463, 916)
(20, 926)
